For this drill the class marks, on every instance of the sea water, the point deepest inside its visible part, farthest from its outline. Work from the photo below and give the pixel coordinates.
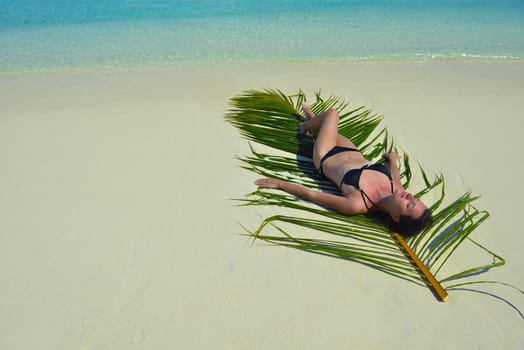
(40, 35)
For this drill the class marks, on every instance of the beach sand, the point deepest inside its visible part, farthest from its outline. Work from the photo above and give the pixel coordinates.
(117, 228)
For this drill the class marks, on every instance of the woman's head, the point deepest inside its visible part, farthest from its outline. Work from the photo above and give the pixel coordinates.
(409, 226)
(409, 215)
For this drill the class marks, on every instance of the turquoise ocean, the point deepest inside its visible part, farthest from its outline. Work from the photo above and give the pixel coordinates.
(40, 35)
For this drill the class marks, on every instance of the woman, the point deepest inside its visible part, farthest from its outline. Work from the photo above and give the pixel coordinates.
(365, 187)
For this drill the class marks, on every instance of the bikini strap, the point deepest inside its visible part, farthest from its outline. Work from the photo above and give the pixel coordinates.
(364, 197)
(362, 193)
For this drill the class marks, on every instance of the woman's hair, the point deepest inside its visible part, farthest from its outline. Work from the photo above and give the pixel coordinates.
(408, 226)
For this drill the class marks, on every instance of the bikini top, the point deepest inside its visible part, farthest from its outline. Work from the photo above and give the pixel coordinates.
(352, 178)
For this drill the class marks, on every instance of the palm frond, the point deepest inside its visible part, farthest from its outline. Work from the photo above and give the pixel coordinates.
(271, 118)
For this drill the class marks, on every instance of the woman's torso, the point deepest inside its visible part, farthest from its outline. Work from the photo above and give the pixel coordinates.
(372, 182)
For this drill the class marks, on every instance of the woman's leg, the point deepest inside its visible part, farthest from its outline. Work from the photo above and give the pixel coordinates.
(325, 127)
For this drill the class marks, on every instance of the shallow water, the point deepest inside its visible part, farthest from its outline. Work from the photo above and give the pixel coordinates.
(58, 35)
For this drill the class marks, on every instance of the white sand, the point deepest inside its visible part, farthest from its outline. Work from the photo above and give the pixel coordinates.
(117, 230)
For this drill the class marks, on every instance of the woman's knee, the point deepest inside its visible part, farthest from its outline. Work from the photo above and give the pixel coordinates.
(331, 118)
(332, 113)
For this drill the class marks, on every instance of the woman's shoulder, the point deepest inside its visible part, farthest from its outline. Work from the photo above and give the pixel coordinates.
(354, 199)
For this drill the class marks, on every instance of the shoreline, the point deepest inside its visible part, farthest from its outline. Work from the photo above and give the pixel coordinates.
(220, 63)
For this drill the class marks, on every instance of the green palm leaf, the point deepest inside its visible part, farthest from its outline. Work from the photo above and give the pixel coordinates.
(271, 119)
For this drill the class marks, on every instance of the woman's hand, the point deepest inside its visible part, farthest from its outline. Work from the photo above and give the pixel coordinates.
(268, 183)
(392, 163)
(391, 157)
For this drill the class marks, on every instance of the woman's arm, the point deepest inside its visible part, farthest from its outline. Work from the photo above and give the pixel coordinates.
(342, 205)
(392, 159)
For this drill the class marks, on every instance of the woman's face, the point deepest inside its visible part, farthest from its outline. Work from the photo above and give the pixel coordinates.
(404, 203)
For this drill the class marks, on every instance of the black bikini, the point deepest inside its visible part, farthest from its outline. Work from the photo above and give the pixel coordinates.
(352, 177)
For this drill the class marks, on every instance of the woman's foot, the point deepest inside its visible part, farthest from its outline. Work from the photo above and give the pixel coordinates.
(308, 115)
(307, 111)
